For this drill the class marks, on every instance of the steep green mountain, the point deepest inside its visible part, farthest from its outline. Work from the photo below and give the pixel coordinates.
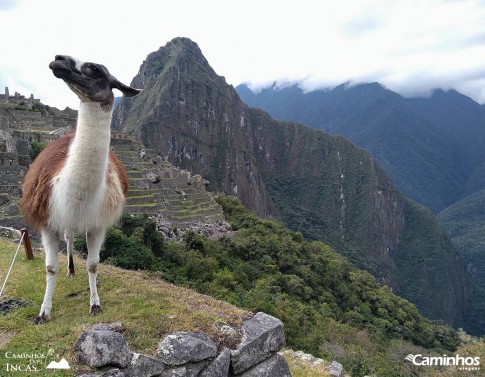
(432, 148)
(321, 185)
(465, 224)
(329, 308)
(425, 165)
(462, 121)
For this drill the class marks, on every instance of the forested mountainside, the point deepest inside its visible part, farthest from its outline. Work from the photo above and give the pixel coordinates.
(321, 185)
(432, 148)
(429, 146)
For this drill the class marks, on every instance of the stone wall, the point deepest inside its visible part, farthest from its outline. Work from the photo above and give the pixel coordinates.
(187, 354)
(18, 99)
(23, 121)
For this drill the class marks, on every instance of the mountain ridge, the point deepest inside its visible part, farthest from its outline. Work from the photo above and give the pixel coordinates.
(432, 147)
(319, 184)
(364, 114)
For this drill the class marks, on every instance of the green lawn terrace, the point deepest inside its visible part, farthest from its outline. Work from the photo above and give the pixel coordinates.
(177, 198)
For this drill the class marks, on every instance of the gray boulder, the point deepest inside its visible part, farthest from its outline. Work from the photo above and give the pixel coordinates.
(110, 372)
(275, 366)
(184, 347)
(219, 367)
(187, 370)
(263, 335)
(114, 372)
(336, 369)
(100, 347)
(144, 366)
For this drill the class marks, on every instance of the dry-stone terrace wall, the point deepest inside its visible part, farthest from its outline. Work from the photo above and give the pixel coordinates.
(185, 354)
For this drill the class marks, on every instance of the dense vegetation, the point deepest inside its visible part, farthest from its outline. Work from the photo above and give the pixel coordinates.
(433, 149)
(322, 299)
(35, 149)
(465, 224)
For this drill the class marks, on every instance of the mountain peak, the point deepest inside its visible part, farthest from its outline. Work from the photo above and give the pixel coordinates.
(184, 46)
(179, 54)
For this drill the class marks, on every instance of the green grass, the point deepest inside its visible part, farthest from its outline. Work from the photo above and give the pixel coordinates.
(305, 368)
(148, 307)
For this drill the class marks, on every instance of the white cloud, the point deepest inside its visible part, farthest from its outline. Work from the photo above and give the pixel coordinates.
(409, 45)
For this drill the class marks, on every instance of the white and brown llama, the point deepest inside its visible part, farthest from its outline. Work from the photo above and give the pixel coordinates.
(77, 185)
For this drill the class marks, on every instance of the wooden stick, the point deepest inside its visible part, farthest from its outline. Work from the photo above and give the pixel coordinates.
(27, 244)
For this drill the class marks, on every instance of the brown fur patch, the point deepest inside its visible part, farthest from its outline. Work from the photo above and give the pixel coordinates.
(51, 270)
(93, 268)
(70, 266)
(117, 167)
(117, 182)
(37, 186)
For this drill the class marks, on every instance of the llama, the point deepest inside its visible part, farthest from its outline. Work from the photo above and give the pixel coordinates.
(77, 185)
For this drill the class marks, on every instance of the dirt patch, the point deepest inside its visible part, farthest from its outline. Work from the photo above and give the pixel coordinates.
(12, 304)
(5, 337)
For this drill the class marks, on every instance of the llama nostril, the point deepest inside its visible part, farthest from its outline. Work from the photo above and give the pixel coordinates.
(61, 57)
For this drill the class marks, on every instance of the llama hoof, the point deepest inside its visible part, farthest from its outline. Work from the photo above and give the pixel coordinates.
(71, 275)
(43, 318)
(96, 309)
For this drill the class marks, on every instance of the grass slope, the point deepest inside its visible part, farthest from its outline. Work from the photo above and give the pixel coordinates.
(148, 307)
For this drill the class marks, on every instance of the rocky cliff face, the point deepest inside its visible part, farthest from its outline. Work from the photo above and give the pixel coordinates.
(321, 185)
(191, 116)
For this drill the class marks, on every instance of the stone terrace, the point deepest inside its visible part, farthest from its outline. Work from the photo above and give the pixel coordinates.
(159, 189)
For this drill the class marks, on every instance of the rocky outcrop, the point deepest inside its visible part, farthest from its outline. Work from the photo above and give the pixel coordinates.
(187, 354)
(263, 335)
(182, 348)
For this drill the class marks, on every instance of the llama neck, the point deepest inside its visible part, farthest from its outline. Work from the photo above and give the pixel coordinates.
(87, 161)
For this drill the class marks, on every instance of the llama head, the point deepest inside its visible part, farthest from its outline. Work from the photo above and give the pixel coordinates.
(90, 81)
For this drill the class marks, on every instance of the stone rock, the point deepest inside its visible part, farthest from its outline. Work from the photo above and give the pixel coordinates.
(175, 372)
(12, 209)
(100, 347)
(184, 347)
(187, 370)
(4, 198)
(114, 372)
(263, 335)
(228, 331)
(110, 372)
(144, 366)
(275, 366)
(154, 178)
(219, 367)
(193, 369)
(336, 369)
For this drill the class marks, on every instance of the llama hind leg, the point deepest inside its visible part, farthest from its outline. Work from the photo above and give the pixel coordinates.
(94, 240)
(69, 237)
(50, 241)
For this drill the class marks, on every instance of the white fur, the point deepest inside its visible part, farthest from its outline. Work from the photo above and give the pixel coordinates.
(79, 189)
(79, 63)
(81, 201)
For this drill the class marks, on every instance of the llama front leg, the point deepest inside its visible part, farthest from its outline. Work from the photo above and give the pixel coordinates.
(69, 237)
(94, 240)
(50, 240)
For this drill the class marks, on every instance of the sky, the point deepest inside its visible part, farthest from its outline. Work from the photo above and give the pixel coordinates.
(410, 46)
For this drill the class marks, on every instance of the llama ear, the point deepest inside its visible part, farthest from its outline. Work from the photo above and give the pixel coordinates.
(127, 91)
